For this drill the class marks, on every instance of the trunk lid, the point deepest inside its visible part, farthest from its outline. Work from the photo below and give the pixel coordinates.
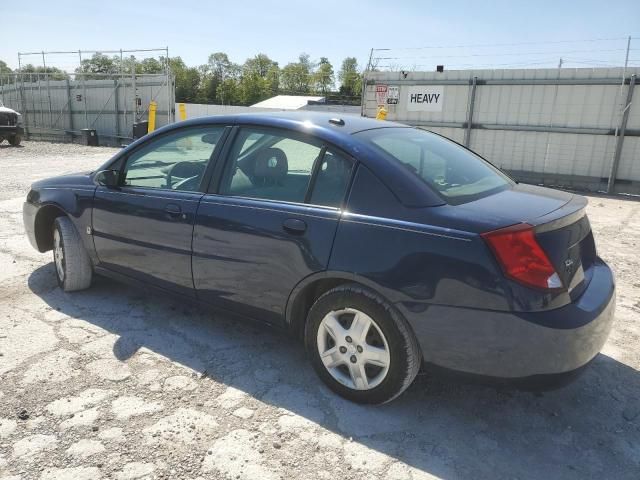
(560, 224)
(566, 237)
(522, 203)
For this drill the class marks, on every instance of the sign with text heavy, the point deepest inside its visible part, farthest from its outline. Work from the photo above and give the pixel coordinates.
(425, 98)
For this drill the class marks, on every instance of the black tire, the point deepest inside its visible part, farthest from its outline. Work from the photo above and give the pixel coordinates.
(404, 353)
(15, 140)
(75, 263)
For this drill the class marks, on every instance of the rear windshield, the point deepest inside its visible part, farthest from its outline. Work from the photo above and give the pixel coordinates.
(454, 172)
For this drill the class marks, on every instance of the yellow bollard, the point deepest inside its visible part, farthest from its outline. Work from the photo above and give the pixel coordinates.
(182, 109)
(153, 106)
(382, 113)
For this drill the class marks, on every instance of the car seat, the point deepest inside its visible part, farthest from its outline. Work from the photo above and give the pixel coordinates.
(270, 168)
(331, 181)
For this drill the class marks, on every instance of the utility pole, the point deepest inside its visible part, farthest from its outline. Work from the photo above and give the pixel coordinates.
(624, 110)
(560, 63)
(626, 58)
(363, 91)
(46, 76)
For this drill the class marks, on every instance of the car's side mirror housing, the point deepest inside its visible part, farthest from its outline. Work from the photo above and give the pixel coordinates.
(107, 178)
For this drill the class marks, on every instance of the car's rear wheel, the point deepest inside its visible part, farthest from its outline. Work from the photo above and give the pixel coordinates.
(359, 346)
(15, 140)
(73, 266)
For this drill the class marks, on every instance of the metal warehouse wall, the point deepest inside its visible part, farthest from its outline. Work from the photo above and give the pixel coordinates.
(59, 109)
(549, 126)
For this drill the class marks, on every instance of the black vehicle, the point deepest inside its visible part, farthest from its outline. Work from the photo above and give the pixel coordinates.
(382, 246)
(10, 126)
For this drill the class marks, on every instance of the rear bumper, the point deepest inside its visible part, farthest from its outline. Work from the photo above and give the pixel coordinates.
(512, 345)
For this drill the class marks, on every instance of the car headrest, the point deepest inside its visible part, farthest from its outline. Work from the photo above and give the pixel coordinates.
(335, 166)
(187, 169)
(271, 163)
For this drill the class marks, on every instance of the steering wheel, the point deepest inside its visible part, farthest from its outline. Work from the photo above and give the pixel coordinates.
(185, 171)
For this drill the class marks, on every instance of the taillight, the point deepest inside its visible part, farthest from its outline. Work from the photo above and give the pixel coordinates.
(521, 257)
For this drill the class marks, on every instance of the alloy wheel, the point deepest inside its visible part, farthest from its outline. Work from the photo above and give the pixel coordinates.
(58, 254)
(353, 349)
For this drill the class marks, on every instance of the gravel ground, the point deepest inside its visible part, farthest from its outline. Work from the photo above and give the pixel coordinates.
(117, 383)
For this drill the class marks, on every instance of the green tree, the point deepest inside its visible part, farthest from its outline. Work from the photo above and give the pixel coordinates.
(305, 60)
(126, 65)
(220, 66)
(252, 88)
(151, 65)
(273, 79)
(4, 68)
(261, 65)
(296, 77)
(54, 73)
(187, 81)
(99, 65)
(324, 78)
(228, 92)
(218, 75)
(258, 80)
(350, 78)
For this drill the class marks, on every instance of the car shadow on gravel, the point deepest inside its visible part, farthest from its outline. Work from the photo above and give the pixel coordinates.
(589, 429)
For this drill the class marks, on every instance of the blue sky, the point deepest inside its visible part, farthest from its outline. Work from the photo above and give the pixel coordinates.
(283, 29)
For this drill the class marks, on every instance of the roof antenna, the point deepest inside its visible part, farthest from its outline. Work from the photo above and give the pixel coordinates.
(337, 121)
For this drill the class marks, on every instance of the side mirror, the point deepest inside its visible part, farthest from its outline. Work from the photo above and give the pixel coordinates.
(107, 178)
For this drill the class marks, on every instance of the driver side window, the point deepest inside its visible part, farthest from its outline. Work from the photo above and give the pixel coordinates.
(176, 161)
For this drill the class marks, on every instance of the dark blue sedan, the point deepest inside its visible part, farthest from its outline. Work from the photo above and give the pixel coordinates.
(383, 247)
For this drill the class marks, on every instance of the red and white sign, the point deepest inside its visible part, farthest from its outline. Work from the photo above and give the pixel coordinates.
(382, 92)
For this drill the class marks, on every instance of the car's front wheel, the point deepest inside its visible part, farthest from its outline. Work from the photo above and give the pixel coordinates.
(15, 140)
(73, 266)
(359, 346)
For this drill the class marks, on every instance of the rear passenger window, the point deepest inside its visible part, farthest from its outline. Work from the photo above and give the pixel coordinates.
(331, 180)
(274, 166)
(268, 165)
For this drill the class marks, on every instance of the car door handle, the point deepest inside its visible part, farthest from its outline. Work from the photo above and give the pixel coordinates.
(294, 225)
(173, 210)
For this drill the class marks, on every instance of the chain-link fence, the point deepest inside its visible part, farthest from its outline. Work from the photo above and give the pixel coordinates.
(59, 106)
(578, 128)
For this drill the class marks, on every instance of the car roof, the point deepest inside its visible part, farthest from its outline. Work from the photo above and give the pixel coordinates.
(352, 123)
(339, 122)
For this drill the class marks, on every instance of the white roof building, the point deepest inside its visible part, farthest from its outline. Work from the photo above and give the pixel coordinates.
(287, 102)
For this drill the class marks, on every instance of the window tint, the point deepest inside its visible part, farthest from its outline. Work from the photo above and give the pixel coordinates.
(270, 165)
(176, 161)
(331, 180)
(453, 171)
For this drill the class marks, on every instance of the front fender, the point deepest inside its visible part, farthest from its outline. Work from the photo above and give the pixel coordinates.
(44, 204)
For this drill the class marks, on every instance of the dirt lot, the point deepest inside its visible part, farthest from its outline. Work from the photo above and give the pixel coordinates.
(116, 383)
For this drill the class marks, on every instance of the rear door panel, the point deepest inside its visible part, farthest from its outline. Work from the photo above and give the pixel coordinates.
(245, 259)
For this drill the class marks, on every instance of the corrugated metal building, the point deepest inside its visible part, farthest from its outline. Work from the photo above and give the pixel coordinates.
(551, 126)
(60, 109)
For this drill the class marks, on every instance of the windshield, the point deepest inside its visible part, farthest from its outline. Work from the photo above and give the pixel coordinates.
(456, 173)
